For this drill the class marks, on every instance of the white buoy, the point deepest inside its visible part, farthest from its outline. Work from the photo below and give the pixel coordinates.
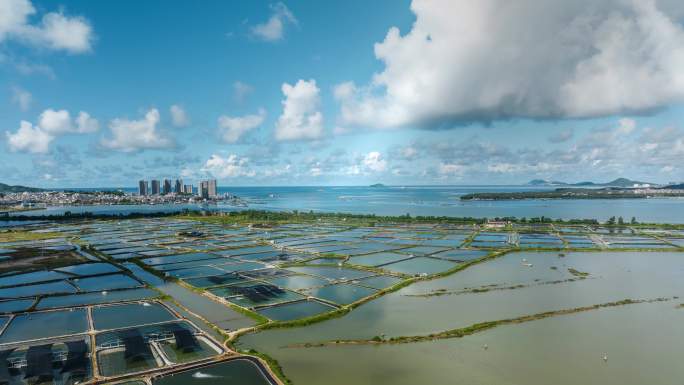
(605, 357)
(485, 347)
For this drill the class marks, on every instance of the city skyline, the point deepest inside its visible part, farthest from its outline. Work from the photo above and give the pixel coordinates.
(337, 106)
(205, 189)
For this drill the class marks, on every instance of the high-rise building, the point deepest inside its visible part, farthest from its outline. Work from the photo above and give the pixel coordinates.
(155, 187)
(212, 188)
(207, 189)
(167, 186)
(187, 189)
(143, 188)
(203, 189)
(179, 186)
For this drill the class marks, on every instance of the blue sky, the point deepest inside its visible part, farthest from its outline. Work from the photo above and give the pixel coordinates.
(101, 94)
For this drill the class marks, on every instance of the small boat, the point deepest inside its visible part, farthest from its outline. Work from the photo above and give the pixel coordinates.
(527, 264)
(605, 357)
(485, 347)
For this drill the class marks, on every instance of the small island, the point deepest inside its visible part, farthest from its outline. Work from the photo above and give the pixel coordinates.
(377, 185)
(580, 193)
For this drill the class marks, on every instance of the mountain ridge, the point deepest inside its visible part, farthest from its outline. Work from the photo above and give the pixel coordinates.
(5, 188)
(618, 182)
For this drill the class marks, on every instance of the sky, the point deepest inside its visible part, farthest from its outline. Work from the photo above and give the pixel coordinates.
(423, 92)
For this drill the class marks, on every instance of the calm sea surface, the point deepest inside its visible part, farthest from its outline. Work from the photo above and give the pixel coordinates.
(419, 200)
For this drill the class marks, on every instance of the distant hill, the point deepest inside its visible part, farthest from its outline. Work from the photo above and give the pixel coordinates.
(679, 186)
(619, 182)
(5, 188)
(544, 182)
(377, 185)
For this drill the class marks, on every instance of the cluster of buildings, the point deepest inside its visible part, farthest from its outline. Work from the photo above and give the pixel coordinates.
(154, 192)
(206, 189)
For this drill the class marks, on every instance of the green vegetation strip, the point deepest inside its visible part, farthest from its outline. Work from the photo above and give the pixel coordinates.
(577, 273)
(272, 363)
(21, 235)
(475, 328)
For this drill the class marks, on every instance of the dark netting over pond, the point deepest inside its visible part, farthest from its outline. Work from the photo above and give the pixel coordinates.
(221, 279)
(185, 340)
(76, 361)
(136, 348)
(258, 293)
(39, 362)
(4, 366)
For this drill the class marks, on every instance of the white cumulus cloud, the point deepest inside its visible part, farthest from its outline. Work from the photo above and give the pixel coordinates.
(134, 135)
(274, 28)
(51, 124)
(374, 161)
(29, 138)
(55, 122)
(465, 61)
(59, 122)
(301, 118)
(55, 31)
(179, 118)
(228, 167)
(232, 128)
(86, 124)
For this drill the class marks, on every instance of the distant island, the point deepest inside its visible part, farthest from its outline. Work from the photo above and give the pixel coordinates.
(619, 182)
(377, 185)
(583, 193)
(5, 188)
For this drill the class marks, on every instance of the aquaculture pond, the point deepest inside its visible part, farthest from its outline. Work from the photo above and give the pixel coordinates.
(127, 315)
(295, 310)
(135, 349)
(515, 285)
(342, 293)
(420, 265)
(94, 298)
(238, 371)
(566, 350)
(178, 286)
(29, 326)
